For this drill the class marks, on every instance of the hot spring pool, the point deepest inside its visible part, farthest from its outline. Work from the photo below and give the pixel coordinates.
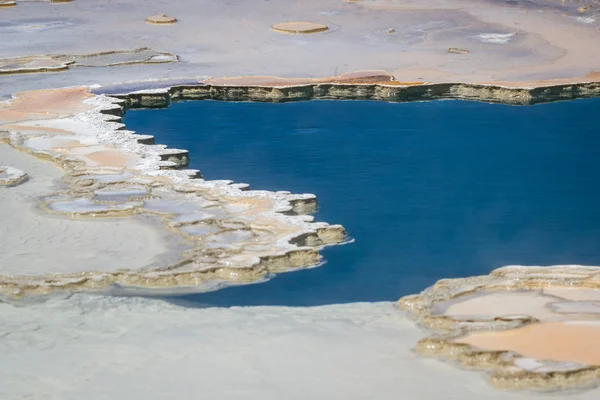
(428, 190)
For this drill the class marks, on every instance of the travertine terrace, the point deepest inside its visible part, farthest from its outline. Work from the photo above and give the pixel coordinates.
(231, 234)
(531, 327)
(148, 225)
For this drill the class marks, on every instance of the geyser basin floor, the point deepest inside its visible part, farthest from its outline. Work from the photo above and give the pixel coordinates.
(34, 242)
(521, 41)
(114, 348)
(428, 190)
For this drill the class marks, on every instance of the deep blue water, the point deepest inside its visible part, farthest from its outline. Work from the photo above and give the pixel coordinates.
(428, 190)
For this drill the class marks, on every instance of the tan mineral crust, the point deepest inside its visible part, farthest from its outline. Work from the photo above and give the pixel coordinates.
(299, 28)
(161, 19)
(89, 206)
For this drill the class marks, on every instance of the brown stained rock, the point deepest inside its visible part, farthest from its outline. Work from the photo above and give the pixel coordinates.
(367, 77)
(7, 3)
(299, 28)
(161, 19)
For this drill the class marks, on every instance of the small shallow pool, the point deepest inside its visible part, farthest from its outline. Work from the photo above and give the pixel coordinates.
(428, 190)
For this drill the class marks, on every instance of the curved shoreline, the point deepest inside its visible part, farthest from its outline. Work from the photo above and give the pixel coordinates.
(245, 235)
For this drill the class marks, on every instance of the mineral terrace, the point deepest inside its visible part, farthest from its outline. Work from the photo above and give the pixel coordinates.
(88, 206)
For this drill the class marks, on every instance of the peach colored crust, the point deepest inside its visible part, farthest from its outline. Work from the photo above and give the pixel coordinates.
(45, 104)
(37, 129)
(556, 341)
(67, 101)
(110, 158)
(358, 77)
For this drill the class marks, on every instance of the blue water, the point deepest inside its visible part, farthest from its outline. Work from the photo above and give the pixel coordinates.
(428, 190)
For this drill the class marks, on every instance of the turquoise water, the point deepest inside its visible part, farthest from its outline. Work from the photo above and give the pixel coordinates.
(428, 190)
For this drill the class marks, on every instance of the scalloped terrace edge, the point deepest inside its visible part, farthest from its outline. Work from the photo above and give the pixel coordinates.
(296, 245)
(366, 85)
(361, 85)
(113, 101)
(504, 374)
(382, 86)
